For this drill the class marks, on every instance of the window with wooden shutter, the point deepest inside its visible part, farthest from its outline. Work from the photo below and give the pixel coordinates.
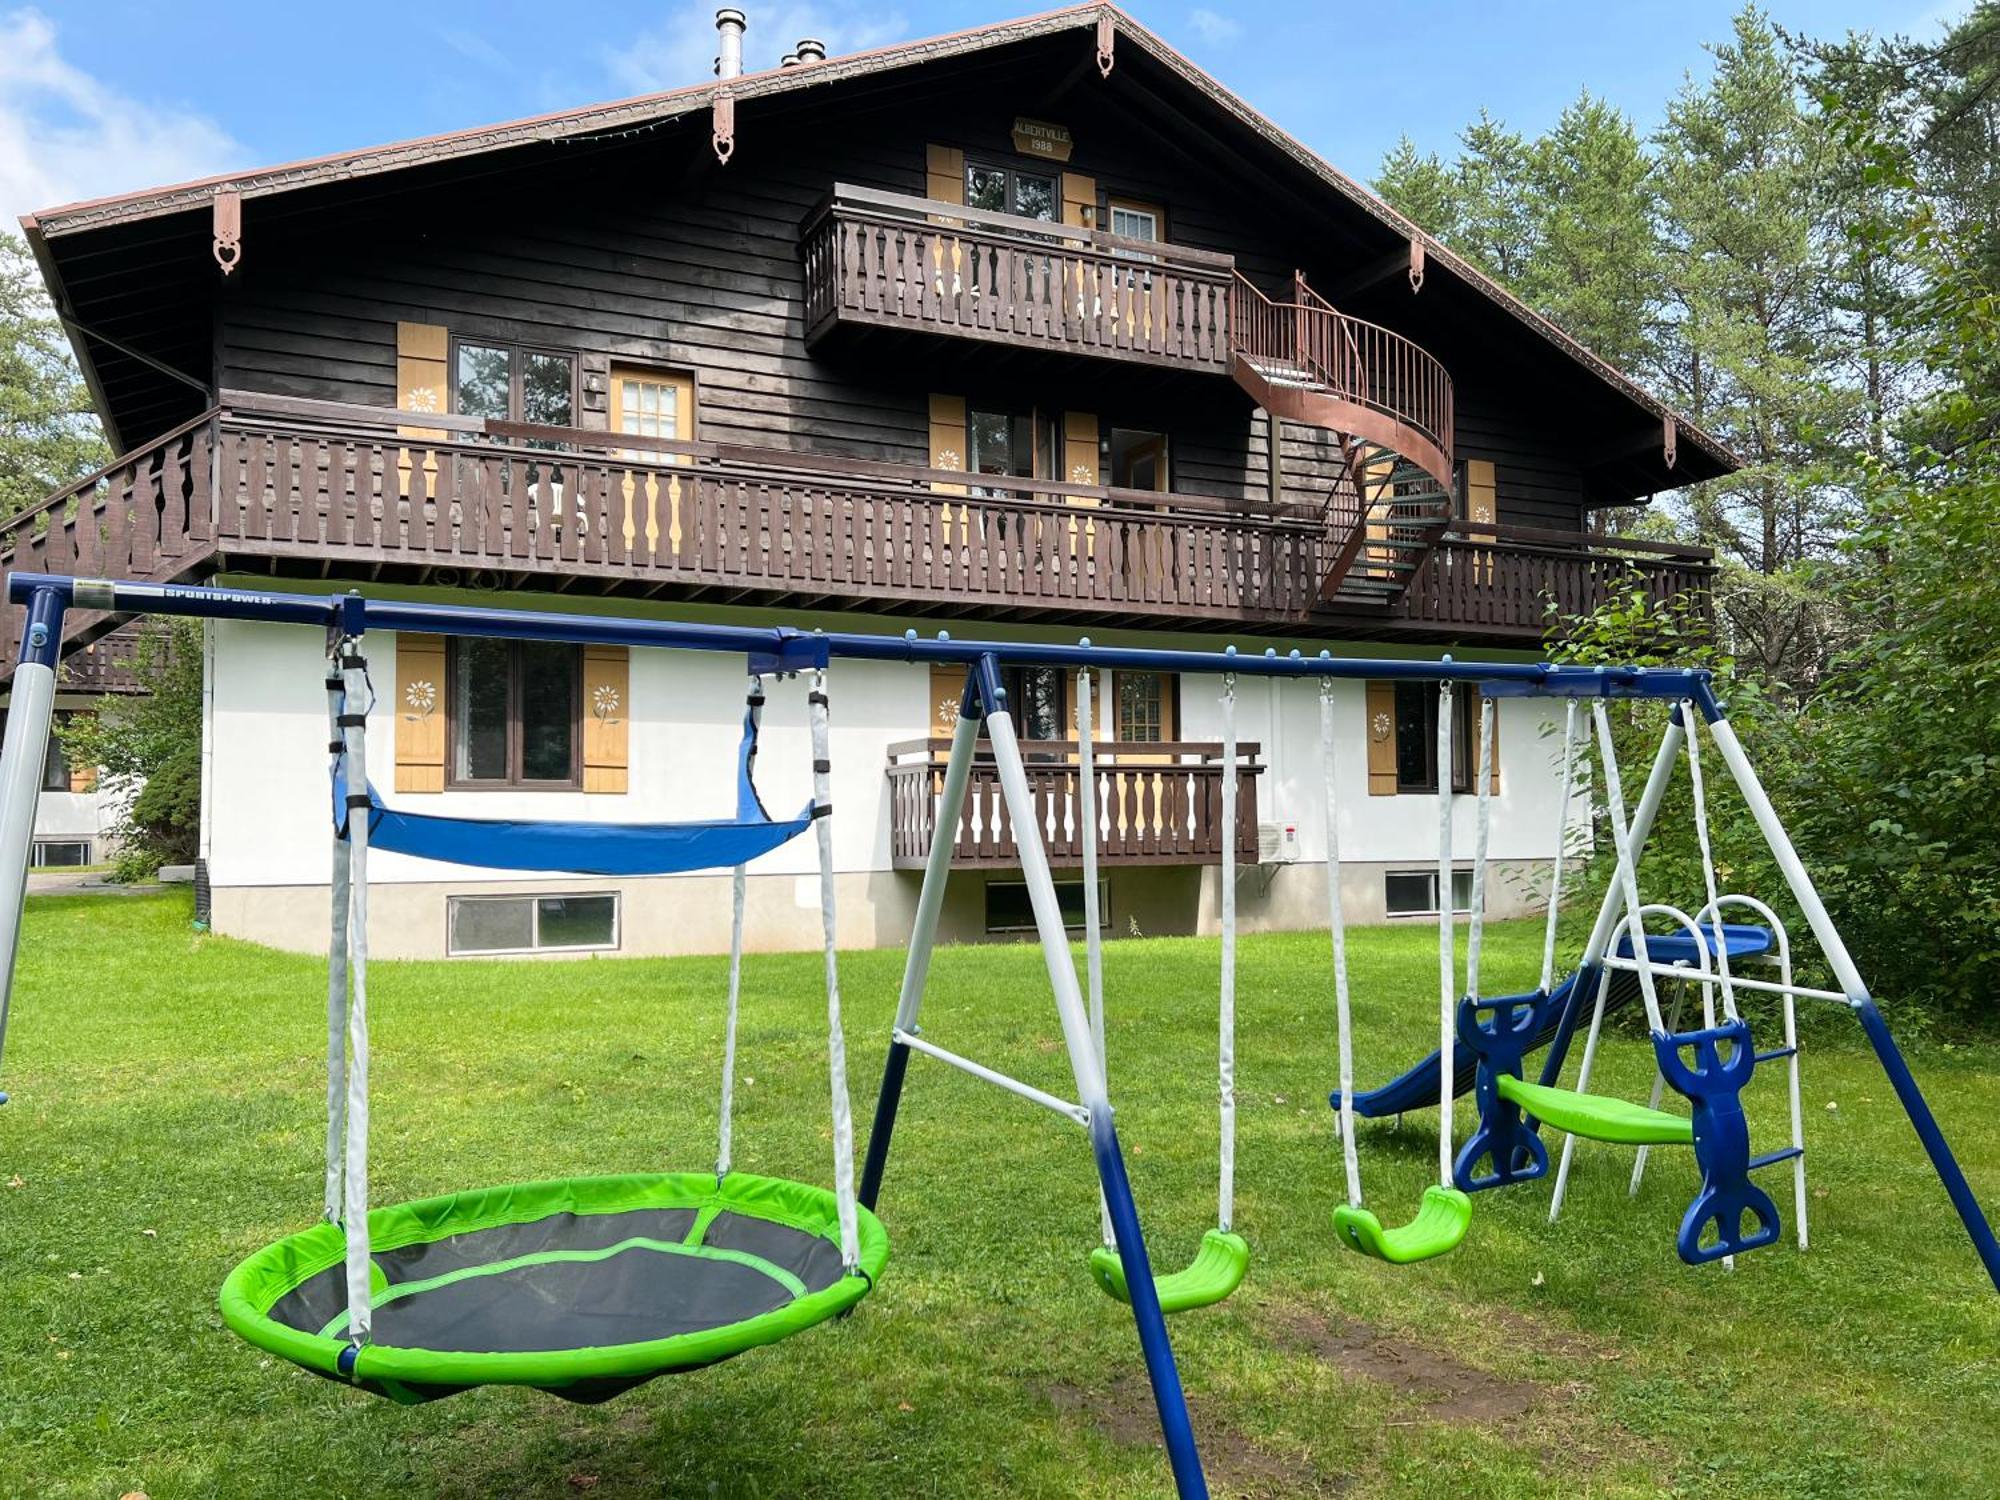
(420, 713)
(607, 718)
(1380, 731)
(423, 384)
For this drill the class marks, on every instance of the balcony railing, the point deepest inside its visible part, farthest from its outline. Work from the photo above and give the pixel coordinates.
(296, 487)
(889, 261)
(1157, 804)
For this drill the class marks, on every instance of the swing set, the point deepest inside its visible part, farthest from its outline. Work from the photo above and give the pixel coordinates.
(588, 1286)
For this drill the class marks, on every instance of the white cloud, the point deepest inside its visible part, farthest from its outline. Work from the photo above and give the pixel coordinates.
(681, 51)
(1213, 27)
(65, 135)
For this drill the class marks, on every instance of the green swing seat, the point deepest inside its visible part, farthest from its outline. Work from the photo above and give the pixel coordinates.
(1597, 1117)
(1438, 1227)
(1216, 1271)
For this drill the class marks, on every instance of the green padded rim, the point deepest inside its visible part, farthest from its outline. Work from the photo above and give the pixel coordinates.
(257, 1284)
(1598, 1117)
(1216, 1270)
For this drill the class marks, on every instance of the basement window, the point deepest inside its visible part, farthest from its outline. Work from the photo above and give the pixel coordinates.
(1009, 910)
(53, 854)
(1414, 893)
(575, 923)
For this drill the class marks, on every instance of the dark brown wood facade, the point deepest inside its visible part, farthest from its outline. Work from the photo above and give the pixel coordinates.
(810, 476)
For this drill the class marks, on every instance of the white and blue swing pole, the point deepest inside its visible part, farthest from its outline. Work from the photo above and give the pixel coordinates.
(22, 756)
(985, 701)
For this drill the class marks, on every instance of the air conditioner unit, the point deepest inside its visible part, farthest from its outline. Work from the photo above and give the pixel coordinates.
(1277, 843)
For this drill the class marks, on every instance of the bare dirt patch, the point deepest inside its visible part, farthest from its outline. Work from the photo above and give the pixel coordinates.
(1236, 1464)
(1447, 1389)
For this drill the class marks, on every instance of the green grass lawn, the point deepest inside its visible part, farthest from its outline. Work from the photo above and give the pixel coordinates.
(166, 1121)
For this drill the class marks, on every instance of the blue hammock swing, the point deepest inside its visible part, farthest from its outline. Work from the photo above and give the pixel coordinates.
(588, 848)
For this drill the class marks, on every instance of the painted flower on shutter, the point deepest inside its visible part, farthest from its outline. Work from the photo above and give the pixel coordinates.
(604, 701)
(420, 697)
(947, 712)
(1382, 726)
(1083, 474)
(420, 398)
(947, 458)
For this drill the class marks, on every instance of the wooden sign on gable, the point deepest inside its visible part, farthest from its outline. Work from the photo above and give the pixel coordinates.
(1040, 138)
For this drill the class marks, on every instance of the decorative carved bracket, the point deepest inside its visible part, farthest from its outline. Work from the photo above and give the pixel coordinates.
(723, 136)
(1416, 264)
(228, 231)
(1670, 441)
(1107, 34)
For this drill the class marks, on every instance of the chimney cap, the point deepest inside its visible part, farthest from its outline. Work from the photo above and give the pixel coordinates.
(729, 15)
(811, 50)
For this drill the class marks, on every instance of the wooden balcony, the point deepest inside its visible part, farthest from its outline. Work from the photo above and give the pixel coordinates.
(1157, 804)
(309, 489)
(883, 260)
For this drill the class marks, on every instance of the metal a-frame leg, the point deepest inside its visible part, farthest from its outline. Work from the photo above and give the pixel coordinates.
(986, 701)
(22, 756)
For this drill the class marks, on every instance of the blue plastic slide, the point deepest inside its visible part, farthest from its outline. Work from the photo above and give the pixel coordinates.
(1417, 1086)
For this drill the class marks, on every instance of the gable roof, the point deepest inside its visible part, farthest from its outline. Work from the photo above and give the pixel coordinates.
(47, 228)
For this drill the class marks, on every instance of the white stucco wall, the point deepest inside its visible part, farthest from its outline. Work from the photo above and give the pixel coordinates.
(267, 813)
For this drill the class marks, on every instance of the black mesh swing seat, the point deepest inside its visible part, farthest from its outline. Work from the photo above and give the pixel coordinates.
(583, 1288)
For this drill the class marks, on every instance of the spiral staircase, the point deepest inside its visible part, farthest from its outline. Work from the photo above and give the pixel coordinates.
(1390, 405)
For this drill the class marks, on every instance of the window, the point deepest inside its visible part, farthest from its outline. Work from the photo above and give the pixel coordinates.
(1021, 444)
(1412, 893)
(61, 853)
(652, 403)
(1037, 697)
(507, 383)
(1009, 910)
(531, 924)
(1133, 221)
(1138, 459)
(1145, 706)
(514, 713)
(1416, 737)
(55, 764)
(1007, 190)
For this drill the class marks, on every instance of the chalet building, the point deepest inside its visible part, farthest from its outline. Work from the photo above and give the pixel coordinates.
(1033, 331)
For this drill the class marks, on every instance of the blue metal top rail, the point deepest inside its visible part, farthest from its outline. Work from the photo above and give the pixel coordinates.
(783, 648)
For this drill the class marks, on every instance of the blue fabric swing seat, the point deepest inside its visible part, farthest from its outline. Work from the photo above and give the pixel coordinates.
(588, 848)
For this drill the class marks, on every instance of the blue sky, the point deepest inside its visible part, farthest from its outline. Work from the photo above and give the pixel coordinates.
(100, 96)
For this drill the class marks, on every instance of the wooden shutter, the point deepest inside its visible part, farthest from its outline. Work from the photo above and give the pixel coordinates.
(423, 383)
(1079, 448)
(1079, 200)
(1493, 773)
(948, 439)
(420, 713)
(82, 778)
(947, 692)
(607, 718)
(944, 174)
(1481, 502)
(1380, 731)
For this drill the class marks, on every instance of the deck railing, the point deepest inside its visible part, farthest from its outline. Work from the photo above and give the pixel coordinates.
(1157, 803)
(1512, 578)
(887, 260)
(286, 486)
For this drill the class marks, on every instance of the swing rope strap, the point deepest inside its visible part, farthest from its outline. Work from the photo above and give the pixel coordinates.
(1476, 930)
(836, 1038)
(1226, 1047)
(1627, 873)
(351, 723)
(336, 976)
(1093, 937)
(1337, 924)
(1687, 711)
(1447, 948)
(754, 707)
(1562, 839)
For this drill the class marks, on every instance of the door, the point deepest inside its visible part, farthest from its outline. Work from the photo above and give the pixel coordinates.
(657, 404)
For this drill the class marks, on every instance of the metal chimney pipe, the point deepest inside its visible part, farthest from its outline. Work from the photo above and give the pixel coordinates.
(729, 25)
(789, 60)
(811, 50)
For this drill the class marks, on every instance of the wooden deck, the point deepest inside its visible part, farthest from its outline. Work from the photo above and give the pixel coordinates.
(1157, 804)
(308, 489)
